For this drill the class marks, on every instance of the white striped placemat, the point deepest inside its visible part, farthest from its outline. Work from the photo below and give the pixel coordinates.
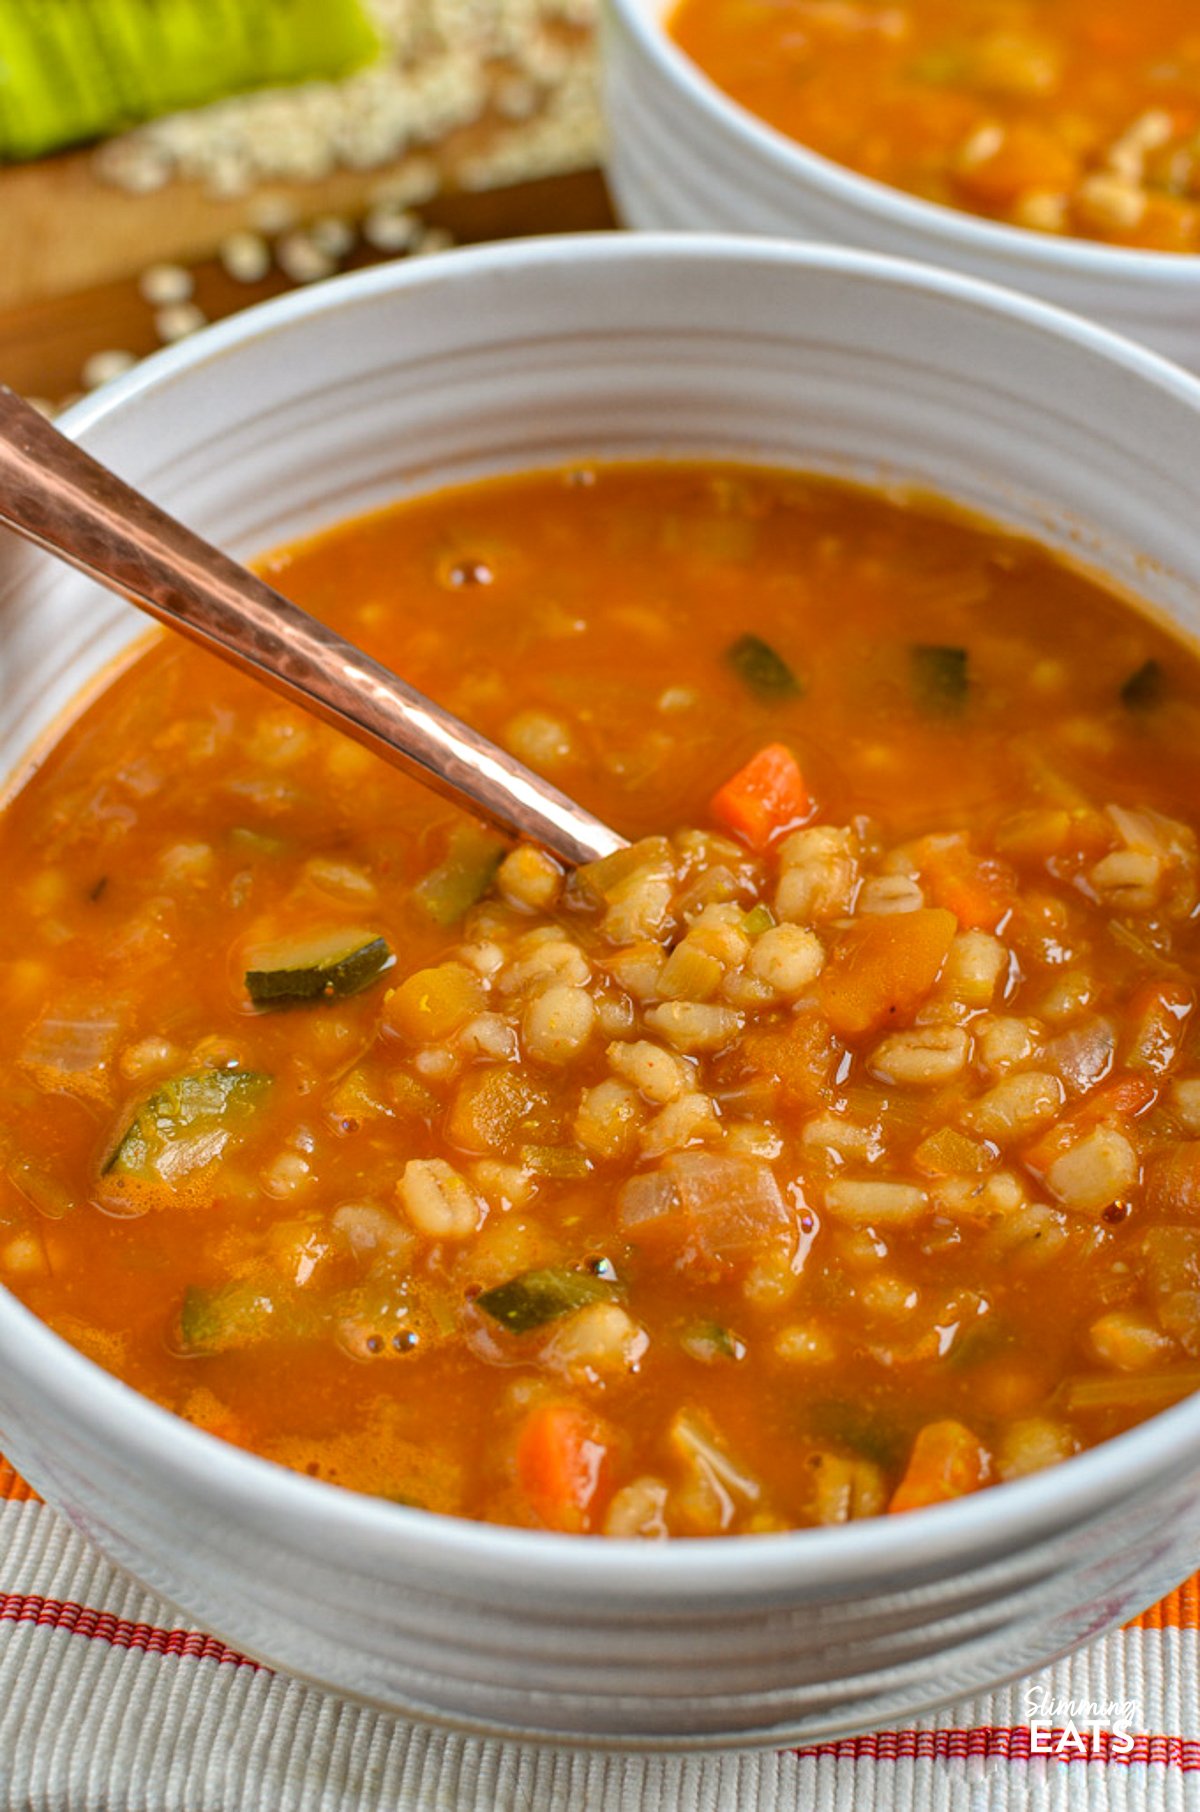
(107, 1704)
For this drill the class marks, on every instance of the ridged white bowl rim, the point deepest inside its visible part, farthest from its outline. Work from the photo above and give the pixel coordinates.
(864, 194)
(1000, 1519)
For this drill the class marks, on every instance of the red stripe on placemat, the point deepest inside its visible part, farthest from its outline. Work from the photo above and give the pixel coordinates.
(985, 1742)
(1005, 1743)
(118, 1632)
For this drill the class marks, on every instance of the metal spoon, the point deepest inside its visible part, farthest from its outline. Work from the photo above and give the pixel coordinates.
(66, 502)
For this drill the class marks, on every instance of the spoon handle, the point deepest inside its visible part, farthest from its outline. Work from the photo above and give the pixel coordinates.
(57, 496)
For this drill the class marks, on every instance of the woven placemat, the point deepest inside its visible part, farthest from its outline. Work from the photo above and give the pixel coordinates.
(108, 1704)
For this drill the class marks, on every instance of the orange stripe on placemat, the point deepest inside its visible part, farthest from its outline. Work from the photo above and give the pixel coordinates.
(13, 1487)
(1179, 1610)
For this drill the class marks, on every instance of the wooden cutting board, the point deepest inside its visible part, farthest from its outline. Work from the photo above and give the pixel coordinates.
(73, 247)
(64, 229)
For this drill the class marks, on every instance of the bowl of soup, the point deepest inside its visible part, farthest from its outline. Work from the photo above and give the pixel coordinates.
(1050, 148)
(744, 1289)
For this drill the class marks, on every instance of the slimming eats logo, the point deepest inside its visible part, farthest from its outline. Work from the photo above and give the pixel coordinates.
(1078, 1727)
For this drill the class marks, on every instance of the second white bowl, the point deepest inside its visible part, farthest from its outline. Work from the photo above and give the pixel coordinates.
(683, 156)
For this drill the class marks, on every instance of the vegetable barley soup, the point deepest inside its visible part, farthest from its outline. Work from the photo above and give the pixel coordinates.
(833, 1150)
(1067, 116)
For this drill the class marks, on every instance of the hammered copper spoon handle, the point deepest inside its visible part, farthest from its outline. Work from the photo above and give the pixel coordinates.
(57, 496)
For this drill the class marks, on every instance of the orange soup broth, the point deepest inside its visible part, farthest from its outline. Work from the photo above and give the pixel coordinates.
(177, 822)
(1008, 108)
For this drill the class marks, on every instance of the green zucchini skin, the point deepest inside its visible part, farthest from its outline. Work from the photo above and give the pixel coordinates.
(762, 669)
(227, 1319)
(940, 678)
(306, 973)
(536, 1297)
(448, 892)
(185, 1124)
(1144, 689)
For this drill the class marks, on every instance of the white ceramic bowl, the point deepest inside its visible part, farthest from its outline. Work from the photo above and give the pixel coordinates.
(683, 156)
(319, 405)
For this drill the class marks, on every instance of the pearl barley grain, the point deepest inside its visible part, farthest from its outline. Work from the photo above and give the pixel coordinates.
(162, 284)
(246, 257)
(177, 321)
(103, 367)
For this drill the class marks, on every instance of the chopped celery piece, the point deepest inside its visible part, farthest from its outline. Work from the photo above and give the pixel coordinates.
(601, 879)
(255, 843)
(41, 1191)
(327, 966)
(938, 68)
(73, 71)
(554, 1161)
(1139, 1392)
(185, 1124)
(447, 892)
(760, 918)
(1144, 689)
(761, 670)
(232, 1316)
(535, 1297)
(939, 678)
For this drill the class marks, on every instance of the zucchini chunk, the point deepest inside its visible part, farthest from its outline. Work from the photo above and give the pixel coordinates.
(185, 1124)
(762, 670)
(939, 678)
(1144, 689)
(873, 1435)
(710, 1342)
(327, 966)
(447, 892)
(226, 1319)
(536, 1297)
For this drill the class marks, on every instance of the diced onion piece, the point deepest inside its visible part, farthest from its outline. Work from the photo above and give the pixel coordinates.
(729, 1207)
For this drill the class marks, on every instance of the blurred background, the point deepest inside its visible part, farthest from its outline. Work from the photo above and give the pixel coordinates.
(166, 162)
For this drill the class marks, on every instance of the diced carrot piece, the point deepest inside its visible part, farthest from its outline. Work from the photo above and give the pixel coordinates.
(1158, 1015)
(978, 890)
(1021, 156)
(1119, 1100)
(1168, 224)
(799, 1061)
(884, 968)
(765, 798)
(946, 1461)
(1173, 1181)
(562, 1465)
